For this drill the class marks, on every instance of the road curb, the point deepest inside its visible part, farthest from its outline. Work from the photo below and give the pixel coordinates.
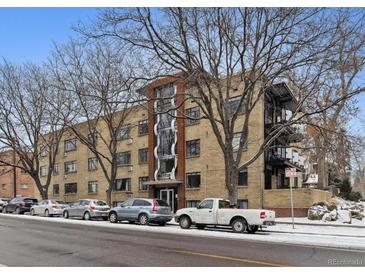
(331, 225)
(194, 233)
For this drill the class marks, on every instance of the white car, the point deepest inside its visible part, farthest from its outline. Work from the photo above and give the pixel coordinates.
(48, 208)
(216, 211)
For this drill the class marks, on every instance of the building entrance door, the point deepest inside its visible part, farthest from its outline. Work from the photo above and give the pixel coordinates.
(168, 196)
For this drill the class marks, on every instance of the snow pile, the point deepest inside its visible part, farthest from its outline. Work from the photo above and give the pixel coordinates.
(340, 209)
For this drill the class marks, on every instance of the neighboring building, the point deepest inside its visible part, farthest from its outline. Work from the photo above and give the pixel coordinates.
(24, 184)
(179, 160)
(359, 182)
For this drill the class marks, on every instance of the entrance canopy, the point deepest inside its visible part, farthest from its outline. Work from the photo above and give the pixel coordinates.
(162, 182)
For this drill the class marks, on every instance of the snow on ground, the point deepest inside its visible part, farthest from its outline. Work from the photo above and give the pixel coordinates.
(283, 234)
(305, 220)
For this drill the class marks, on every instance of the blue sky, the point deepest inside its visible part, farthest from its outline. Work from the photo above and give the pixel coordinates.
(26, 34)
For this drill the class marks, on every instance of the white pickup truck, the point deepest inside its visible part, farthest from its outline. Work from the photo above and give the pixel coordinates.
(216, 211)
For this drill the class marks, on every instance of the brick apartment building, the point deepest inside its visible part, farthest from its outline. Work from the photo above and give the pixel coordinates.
(179, 160)
(24, 184)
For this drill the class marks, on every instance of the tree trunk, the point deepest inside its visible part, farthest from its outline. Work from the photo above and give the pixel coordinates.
(322, 169)
(109, 195)
(231, 177)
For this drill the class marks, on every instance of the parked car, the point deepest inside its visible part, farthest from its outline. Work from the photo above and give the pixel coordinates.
(3, 202)
(216, 211)
(87, 209)
(143, 211)
(48, 208)
(20, 205)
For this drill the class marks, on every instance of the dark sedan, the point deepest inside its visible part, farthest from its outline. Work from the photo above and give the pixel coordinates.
(20, 205)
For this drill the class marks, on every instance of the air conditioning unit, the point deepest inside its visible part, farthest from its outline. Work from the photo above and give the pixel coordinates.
(65, 154)
(130, 168)
(65, 177)
(129, 141)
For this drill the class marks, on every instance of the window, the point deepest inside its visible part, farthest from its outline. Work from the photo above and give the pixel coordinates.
(70, 144)
(70, 166)
(128, 202)
(93, 138)
(242, 178)
(24, 186)
(43, 151)
(56, 189)
(56, 169)
(143, 155)
(70, 188)
(242, 204)
(193, 148)
(143, 127)
(192, 203)
(124, 133)
(43, 171)
(206, 204)
(192, 116)
(92, 186)
(123, 158)
(236, 141)
(295, 181)
(141, 185)
(193, 180)
(92, 163)
(139, 202)
(234, 105)
(224, 204)
(122, 184)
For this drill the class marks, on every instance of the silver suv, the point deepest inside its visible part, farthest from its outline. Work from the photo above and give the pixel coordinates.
(143, 211)
(87, 209)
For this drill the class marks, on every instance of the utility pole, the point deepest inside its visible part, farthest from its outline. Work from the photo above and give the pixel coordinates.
(14, 174)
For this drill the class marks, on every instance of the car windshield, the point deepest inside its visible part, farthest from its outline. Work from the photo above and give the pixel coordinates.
(100, 203)
(161, 203)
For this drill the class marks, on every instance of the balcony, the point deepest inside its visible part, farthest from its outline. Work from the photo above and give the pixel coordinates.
(286, 157)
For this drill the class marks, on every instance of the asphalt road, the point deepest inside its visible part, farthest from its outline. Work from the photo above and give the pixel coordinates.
(39, 243)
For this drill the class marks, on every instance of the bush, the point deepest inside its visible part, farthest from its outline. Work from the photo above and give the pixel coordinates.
(354, 196)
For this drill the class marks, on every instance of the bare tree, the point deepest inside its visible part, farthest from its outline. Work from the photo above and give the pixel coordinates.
(24, 118)
(101, 82)
(217, 50)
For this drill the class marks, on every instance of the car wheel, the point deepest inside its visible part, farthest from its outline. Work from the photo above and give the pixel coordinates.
(46, 213)
(17, 210)
(252, 229)
(32, 212)
(162, 223)
(185, 222)
(87, 216)
(239, 225)
(113, 218)
(143, 219)
(200, 226)
(65, 214)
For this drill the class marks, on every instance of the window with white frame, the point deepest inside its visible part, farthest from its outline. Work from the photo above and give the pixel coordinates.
(142, 186)
(192, 116)
(142, 127)
(70, 167)
(123, 184)
(236, 141)
(123, 158)
(56, 169)
(92, 186)
(234, 105)
(43, 151)
(43, 171)
(125, 132)
(92, 163)
(70, 144)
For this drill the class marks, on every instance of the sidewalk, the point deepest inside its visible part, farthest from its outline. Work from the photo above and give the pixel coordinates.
(305, 221)
(281, 234)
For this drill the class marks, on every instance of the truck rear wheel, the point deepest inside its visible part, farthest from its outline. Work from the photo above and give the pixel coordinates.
(239, 225)
(185, 222)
